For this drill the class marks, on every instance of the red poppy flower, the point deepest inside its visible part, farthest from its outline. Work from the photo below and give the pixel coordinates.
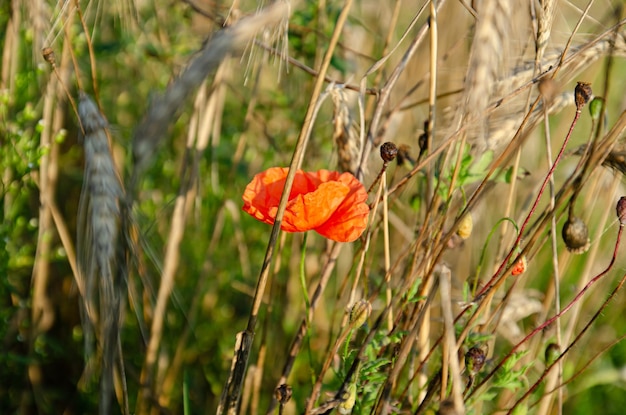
(328, 202)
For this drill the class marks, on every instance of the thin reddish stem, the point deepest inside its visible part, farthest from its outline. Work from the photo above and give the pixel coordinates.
(489, 284)
(559, 314)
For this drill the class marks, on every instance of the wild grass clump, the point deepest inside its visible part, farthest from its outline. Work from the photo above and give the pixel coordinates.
(461, 165)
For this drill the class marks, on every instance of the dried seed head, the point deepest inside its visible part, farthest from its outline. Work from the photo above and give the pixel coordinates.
(48, 55)
(283, 393)
(582, 94)
(446, 407)
(474, 360)
(348, 398)
(423, 138)
(466, 226)
(520, 267)
(621, 210)
(359, 313)
(576, 235)
(388, 151)
(552, 353)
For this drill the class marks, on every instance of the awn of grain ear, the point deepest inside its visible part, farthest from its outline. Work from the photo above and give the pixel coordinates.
(545, 16)
(345, 135)
(97, 244)
(493, 29)
(503, 122)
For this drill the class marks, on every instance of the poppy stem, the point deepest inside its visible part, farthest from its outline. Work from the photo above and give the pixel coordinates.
(383, 185)
(302, 273)
(380, 175)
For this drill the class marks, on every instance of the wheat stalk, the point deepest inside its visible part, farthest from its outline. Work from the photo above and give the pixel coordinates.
(98, 244)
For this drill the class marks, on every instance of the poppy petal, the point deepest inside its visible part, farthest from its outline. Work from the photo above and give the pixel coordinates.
(311, 210)
(350, 219)
(262, 195)
(331, 203)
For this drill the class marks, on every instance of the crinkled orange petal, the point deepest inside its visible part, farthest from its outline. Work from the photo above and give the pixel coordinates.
(311, 210)
(350, 219)
(331, 203)
(262, 194)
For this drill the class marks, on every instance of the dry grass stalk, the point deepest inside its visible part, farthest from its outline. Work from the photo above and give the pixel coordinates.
(97, 244)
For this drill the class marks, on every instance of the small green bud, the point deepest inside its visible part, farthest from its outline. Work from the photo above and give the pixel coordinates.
(595, 106)
(466, 226)
(348, 400)
(552, 353)
(361, 310)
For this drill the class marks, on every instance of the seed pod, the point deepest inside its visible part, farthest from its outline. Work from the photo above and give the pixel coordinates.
(404, 154)
(446, 407)
(283, 393)
(595, 106)
(388, 151)
(552, 353)
(49, 56)
(359, 313)
(576, 235)
(466, 226)
(423, 139)
(621, 210)
(474, 360)
(582, 94)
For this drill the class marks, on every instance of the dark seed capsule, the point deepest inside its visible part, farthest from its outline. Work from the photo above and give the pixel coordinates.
(447, 408)
(576, 235)
(48, 55)
(404, 154)
(621, 210)
(388, 151)
(474, 359)
(283, 393)
(582, 94)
